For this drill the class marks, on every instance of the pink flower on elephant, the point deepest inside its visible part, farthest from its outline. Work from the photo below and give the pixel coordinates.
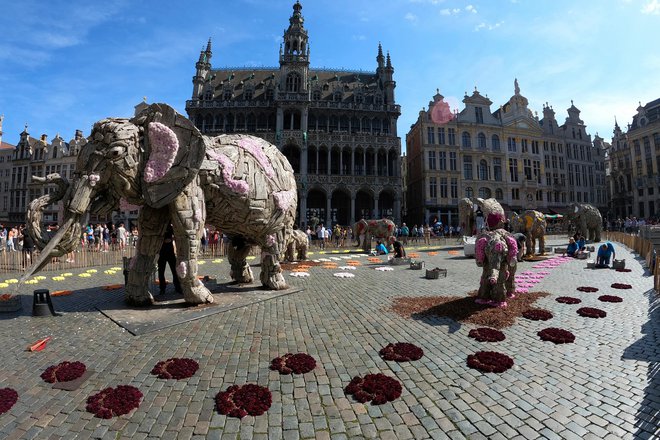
(164, 145)
(236, 185)
(480, 249)
(253, 147)
(284, 199)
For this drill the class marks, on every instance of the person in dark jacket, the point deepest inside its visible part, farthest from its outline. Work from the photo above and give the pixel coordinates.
(28, 247)
(167, 255)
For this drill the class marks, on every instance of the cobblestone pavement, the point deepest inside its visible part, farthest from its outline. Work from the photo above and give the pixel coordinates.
(606, 385)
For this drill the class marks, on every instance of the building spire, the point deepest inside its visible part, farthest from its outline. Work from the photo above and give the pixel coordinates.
(380, 59)
(389, 62)
(208, 47)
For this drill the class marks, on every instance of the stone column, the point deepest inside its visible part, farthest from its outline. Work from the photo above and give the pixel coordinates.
(328, 218)
(341, 161)
(364, 162)
(353, 209)
(303, 209)
(353, 161)
(397, 211)
(329, 163)
(375, 214)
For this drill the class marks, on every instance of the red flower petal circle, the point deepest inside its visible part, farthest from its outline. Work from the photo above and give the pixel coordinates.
(377, 388)
(621, 286)
(401, 352)
(624, 270)
(175, 368)
(299, 363)
(239, 401)
(587, 289)
(556, 335)
(114, 401)
(8, 397)
(568, 300)
(490, 361)
(64, 372)
(485, 334)
(590, 312)
(610, 298)
(537, 314)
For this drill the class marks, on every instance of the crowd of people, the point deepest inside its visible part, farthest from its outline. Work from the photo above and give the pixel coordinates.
(629, 225)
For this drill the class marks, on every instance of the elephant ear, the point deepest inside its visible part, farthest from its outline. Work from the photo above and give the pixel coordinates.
(173, 153)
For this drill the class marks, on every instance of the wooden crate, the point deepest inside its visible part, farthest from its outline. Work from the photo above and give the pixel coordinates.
(434, 274)
(416, 265)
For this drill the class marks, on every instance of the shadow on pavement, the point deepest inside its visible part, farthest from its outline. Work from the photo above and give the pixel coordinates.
(647, 349)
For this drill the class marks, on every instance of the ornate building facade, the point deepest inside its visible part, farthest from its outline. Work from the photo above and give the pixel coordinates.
(634, 161)
(509, 154)
(336, 127)
(6, 153)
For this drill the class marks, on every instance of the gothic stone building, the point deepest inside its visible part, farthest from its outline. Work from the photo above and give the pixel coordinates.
(336, 127)
(509, 154)
(634, 160)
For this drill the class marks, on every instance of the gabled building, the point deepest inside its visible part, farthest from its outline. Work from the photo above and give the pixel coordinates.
(337, 127)
(508, 154)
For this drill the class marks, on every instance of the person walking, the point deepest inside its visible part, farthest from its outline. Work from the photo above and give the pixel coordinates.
(167, 256)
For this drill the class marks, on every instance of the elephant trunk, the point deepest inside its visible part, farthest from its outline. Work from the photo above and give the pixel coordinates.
(36, 207)
(63, 242)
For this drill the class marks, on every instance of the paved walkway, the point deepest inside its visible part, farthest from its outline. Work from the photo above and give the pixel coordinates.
(606, 385)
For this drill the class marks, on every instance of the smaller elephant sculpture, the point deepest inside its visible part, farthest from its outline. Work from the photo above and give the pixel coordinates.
(587, 220)
(299, 243)
(382, 229)
(492, 211)
(496, 252)
(531, 223)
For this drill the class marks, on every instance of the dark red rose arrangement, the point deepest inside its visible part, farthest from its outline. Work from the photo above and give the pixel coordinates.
(114, 401)
(610, 299)
(377, 388)
(240, 401)
(64, 372)
(590, 312)
(621, 286)
(537, 314)
(299, 363)
(8, 398)
(401, 352)
(568, 300)
(556, 335)
(175, 368)
(490, 361)
(587, 289)
(624, 270)
(485, 334)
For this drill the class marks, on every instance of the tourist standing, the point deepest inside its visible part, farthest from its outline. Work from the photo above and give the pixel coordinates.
(121, 236)
(167, 256)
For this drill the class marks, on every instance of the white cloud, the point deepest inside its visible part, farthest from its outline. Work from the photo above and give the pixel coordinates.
(410, 17)
(448, 11)
(651, 8)
(470, 8)
(359, 37)
(487, 27)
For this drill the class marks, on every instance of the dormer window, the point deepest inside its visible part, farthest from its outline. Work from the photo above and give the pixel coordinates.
(270, 94)
(337, 96)
(378, 100)
(227, 95)
(248, 94)
(316, 95)
(359, 98)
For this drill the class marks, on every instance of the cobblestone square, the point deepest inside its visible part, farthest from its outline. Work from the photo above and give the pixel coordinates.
(605, 385)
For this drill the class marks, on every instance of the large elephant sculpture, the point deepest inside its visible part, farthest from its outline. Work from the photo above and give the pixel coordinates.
(159, 161)
(382, 229)
(587, 220)
(296, 248)
(531, 223)
(492, 210)
(496, 252)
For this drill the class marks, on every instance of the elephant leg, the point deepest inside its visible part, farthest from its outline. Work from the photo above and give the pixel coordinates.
(290, 251)
(597, 235)
(511, 280)
(188, 217)
(529, 245)
(237, 253)
(302, 252)
(541, 244)
(152, 228)
(271, 275)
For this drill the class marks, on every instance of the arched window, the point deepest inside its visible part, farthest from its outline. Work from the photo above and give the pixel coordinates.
(499, 195)
(481, 141)
(484, 193)
(469, 192)
(293, 82)
(482, 170)
(467, 141)
(495, 142)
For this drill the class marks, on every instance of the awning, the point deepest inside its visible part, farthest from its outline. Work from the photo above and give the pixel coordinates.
(553, 216)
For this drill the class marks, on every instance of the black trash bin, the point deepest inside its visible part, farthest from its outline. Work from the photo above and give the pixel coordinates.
(42, 304)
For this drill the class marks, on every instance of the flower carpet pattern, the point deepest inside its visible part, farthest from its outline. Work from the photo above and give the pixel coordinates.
(590, 312)
(568, 300)
(8, 397)
(113, 402)
(64, 372)
(610, 298)
(299, 363)
(537, 314)
(175, 368)
(401, 352)
(587, 289)
(489, 361)
(240, 401)
(485, 334)
(376, 388)
(556, 335)
(621, 286)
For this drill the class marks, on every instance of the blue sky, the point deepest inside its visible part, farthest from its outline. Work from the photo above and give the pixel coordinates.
(65, 64)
